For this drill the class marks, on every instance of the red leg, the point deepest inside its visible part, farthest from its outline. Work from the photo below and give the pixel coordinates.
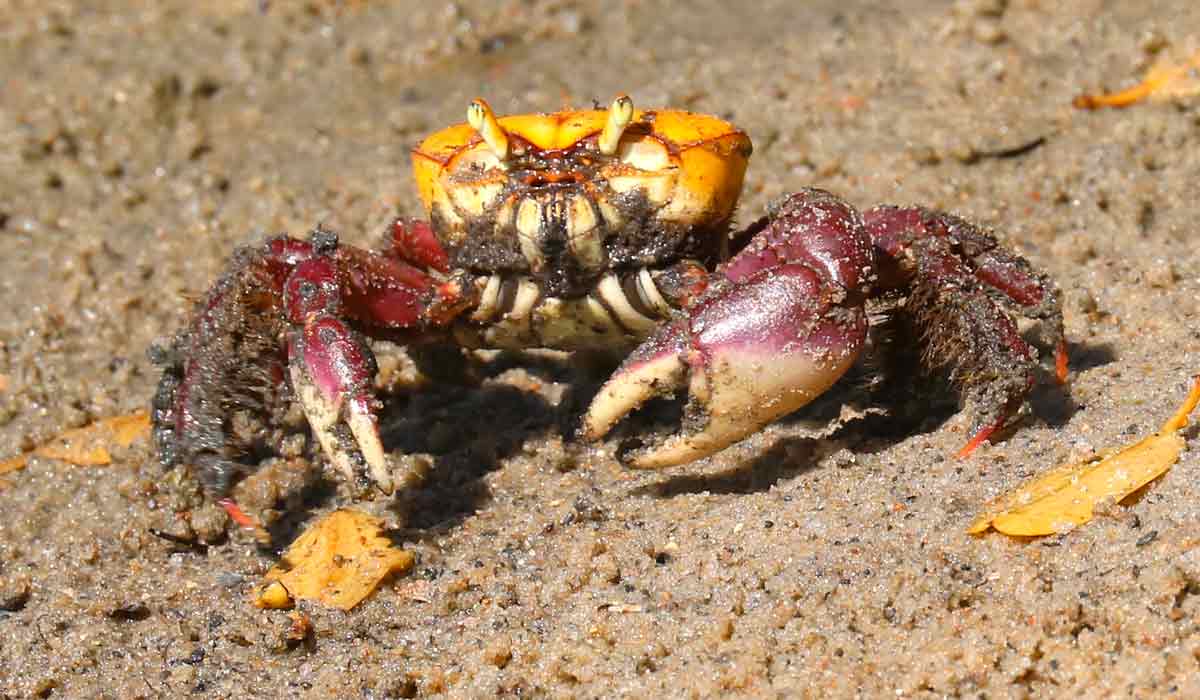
(413, 241)
(1009, 277)
(226, 360)
(953, 274)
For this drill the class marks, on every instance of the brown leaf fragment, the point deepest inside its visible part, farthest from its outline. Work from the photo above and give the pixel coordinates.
(87, 446)
(1165, 80)
(13, 463)
(1067, 495)
(338, 561)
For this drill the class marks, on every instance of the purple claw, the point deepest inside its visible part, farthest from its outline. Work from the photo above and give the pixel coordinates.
(815, 228)
(324, 298)
(781, 322)
(331, 370)
(748, 354)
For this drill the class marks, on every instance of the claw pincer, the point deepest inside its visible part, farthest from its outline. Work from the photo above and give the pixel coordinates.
(332, 369)
(782, 326)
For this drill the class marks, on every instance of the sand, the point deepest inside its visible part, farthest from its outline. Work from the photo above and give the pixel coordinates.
(140, 143)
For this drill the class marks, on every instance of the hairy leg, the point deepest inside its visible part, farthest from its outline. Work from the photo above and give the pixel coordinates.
(959, 281)
(287, 320)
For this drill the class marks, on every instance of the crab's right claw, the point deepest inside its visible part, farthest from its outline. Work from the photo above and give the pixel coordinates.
(748, 353)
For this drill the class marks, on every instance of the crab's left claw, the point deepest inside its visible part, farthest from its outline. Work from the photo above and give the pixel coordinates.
(748, 353)
(331, 372)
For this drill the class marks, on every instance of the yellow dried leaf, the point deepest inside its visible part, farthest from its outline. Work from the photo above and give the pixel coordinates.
(86, 446)
(13, 464)
(1165, 80)
(275, 596)
(1066, 496)
(340, 560)
(130, 428)
(71, 448)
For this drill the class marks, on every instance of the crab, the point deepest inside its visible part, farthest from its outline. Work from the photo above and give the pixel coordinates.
(584, 229)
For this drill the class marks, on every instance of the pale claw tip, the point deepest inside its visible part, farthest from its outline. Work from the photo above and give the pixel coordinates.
(347, 455)
(629, 388)
(366, 433)
(673, 451)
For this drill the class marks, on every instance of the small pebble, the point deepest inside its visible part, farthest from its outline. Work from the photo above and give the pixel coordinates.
(14, 593)
(988, 32)
(1084, 301)
(130, 611)
(209, 523)
(499, 652)
(229, 579)
(1075, 247)
(1161, 274)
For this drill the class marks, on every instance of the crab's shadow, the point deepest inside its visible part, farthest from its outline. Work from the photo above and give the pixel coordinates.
(310, 500)
(1053, 403)
(468, 429)
(794, 450)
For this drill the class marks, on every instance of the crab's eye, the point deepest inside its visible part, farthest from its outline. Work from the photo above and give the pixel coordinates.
(644, 154)
(620, 113)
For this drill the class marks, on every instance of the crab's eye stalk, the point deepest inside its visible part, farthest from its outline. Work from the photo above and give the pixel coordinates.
(620, 113)
(483, 120)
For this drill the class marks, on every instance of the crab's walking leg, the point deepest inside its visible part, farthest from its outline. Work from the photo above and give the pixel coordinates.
(780, 323)
(953, 273)
(1009, 277)
(225, 362)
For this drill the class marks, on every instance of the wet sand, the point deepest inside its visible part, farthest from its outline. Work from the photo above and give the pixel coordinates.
(140, 146)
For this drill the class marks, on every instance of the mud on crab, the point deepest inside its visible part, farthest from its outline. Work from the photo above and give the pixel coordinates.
(587, 229)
